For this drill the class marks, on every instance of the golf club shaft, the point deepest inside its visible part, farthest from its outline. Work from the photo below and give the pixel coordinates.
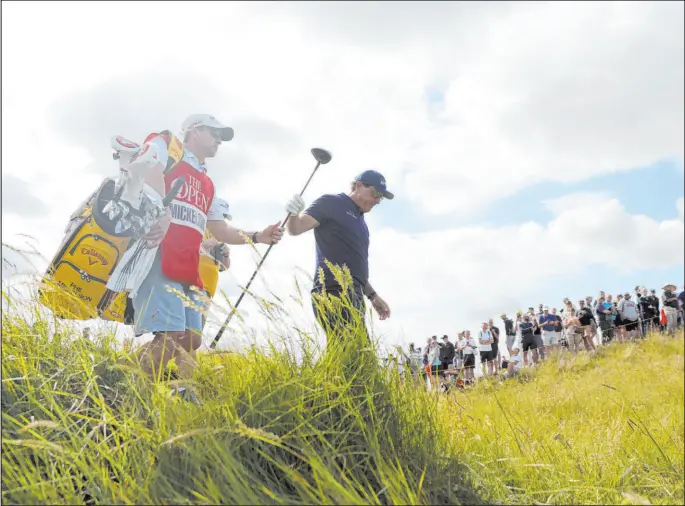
(254, 274)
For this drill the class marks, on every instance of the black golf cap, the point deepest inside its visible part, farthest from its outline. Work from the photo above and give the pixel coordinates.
(375, 179)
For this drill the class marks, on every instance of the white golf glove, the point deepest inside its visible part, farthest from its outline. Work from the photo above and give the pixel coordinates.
(295, 205)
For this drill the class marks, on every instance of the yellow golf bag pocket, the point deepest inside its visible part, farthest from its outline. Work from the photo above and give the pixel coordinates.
(74, 286)
(117, 308)
(210, 266)
(209, 274)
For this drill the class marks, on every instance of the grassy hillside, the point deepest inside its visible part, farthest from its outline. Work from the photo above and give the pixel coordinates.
(81, 425)
(604, 429)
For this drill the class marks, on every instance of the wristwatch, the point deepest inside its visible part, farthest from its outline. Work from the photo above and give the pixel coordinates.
(254, 237)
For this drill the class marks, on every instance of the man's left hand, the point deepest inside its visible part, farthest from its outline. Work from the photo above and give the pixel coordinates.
(158, 230)
(271, 234)
(381, 307)
(225, 255)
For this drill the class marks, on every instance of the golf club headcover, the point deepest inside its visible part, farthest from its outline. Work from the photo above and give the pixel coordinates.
(145, 159)
(134, 158)
(124, 147)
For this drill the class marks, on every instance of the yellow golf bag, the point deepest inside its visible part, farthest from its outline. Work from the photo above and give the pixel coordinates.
(74, 285)
(210, 266)
(211, 261)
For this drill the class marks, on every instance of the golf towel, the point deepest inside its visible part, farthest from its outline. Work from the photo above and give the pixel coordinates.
(133, 268)
(136, 262)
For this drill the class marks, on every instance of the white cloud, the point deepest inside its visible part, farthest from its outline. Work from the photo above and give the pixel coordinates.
(526, 92)
(575, 201)
(551, 91)
(18, 199)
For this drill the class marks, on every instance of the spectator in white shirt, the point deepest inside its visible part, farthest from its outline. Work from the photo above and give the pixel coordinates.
(459, 351)
(628, 310)
(485, 341)
(469, 346)
(509, 331)
(514, 363)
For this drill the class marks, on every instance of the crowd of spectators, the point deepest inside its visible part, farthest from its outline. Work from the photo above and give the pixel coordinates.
(533, 335)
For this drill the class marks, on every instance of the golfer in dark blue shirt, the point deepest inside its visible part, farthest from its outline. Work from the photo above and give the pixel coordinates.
(342, 238)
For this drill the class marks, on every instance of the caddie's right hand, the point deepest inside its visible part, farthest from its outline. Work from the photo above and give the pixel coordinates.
(157, 231)
(295, 205)
(226, 255)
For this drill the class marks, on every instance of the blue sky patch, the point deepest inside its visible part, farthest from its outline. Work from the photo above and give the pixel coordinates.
(652, 191)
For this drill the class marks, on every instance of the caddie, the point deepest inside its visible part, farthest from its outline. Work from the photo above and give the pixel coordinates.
(159, 303)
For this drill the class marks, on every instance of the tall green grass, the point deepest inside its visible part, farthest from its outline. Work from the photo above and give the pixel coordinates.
(81, 424)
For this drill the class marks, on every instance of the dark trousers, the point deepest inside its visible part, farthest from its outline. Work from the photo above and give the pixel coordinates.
(540, 344)
(347, 338)
(607, 331)
(649, 323)
(338, 314)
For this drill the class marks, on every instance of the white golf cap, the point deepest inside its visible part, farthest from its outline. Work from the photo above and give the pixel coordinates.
(223, 205)
(207, 120)
(545, 308)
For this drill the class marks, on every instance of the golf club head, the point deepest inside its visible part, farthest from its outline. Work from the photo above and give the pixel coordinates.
(322, 156)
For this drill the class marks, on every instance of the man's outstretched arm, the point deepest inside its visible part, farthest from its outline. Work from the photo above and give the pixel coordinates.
(300, 222)
(369, 291)
(223, 232)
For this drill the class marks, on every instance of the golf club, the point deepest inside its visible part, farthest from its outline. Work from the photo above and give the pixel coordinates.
(322, 158)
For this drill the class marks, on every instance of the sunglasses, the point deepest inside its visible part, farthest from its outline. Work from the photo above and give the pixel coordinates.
(376, 193)
(212, 131)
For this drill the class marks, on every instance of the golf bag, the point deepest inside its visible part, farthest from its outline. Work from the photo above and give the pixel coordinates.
(74, 285)
(210, 266)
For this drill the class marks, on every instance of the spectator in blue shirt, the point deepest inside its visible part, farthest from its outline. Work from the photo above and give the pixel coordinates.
(342, 238)
(548, 324)
(604, 313)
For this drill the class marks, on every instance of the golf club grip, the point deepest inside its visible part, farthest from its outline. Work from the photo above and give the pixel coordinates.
(175, 187)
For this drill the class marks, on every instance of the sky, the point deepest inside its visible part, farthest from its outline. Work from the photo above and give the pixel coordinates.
(535, 149)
